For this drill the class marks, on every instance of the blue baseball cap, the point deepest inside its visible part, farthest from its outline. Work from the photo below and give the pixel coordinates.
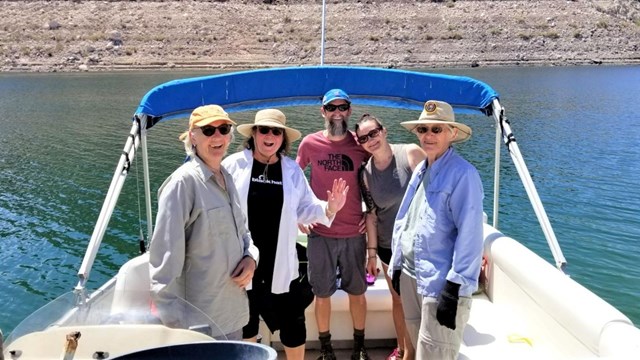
(335, 94)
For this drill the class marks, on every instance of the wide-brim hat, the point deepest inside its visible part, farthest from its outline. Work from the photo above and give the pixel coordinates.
(205, 115)
(439, 113)
(271, 118)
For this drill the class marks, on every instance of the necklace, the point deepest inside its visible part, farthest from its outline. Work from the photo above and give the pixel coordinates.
(265, 172)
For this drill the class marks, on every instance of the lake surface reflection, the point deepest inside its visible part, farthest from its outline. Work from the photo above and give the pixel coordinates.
(61, 136)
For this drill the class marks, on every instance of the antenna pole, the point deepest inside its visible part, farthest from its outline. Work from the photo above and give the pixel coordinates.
(324, 5)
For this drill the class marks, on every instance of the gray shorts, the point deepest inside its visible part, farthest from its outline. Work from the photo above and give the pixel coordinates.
(326, 254)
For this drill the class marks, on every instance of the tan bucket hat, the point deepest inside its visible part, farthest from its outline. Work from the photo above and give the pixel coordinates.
(271, 118)
(439, 112)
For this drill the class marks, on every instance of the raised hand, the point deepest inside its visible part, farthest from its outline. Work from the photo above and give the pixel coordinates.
(337, 196)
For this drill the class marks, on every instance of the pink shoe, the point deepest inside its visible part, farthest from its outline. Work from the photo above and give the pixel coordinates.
(395, 355)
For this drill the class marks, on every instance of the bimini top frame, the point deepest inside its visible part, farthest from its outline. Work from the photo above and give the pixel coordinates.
(300, 86)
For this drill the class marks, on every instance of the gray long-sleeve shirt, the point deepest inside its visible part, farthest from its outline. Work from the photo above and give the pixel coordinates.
(199, 239)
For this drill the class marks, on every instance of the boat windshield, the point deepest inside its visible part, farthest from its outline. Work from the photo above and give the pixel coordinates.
(108, 308)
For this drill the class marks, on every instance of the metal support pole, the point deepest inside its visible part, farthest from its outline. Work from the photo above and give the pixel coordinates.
(527, 181)
(324, 5)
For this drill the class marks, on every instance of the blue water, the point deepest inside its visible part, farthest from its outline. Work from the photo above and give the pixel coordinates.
(61, 136)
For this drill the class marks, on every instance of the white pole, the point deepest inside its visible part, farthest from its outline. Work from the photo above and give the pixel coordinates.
(322, 33)
(496, 170)
(147, 182)
(128, 153)
(530, 188)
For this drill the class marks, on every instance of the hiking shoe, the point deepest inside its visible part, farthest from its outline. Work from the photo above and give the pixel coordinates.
(395, 355)
(326, 354)
(360, 354)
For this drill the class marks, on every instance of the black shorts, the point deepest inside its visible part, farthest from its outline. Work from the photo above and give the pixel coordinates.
(385, 255)
(279, 312)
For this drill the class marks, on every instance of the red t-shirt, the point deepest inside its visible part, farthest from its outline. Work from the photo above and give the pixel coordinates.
(331, 160)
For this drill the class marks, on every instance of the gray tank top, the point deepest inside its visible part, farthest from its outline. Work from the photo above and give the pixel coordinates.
(387, 188)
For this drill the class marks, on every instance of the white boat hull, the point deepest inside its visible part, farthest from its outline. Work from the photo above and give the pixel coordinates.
(529, 310)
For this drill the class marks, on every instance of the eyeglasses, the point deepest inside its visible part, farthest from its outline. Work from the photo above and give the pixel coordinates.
(209, 130)
(373, 133)
(341, 107)
(436, 129)
(264, 130)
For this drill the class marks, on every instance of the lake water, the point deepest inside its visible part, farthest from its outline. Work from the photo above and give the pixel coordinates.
(62, 134)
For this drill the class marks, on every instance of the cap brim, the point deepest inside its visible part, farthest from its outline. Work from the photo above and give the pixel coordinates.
(211, 120)
(336, 98)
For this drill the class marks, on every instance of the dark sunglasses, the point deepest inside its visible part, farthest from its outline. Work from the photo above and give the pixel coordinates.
(341, 107)
(264, 130)
(436, 129)
(373, 133)
(209, 130)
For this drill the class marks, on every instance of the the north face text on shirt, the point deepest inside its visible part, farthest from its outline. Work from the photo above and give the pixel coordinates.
(336, 162)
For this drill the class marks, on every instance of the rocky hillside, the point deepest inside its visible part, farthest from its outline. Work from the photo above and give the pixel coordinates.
(112, 35)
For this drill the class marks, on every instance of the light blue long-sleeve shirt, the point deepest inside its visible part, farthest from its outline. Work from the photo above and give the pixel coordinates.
(448, 236)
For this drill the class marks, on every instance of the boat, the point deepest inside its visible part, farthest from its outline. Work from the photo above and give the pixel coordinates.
(526, 308)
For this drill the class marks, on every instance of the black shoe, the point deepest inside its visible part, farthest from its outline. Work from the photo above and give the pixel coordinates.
(360, 354)
(327, 354)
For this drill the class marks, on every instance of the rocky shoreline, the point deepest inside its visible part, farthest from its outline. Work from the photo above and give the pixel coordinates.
(60, 36)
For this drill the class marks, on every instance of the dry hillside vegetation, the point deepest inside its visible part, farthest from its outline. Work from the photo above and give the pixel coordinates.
(108, 35)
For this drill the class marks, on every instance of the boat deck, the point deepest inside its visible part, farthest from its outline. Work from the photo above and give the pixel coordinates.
(378, 353)
(491, 330)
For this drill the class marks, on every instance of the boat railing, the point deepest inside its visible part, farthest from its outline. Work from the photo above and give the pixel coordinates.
(122, 169)
(503, 131)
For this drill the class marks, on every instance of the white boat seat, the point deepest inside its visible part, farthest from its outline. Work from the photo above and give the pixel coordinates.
(378, 312)
(534, 300)
(133, 284)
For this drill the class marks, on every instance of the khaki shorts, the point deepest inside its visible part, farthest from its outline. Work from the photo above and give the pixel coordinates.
(326, 254)
(430, 339)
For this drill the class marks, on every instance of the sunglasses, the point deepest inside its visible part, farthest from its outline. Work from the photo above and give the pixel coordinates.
(209, 130)
(264, 130)
(436, 129)
(341, 107)
(373, 133)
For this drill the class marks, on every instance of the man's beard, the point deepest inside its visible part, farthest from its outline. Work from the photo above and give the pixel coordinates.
(336, 128)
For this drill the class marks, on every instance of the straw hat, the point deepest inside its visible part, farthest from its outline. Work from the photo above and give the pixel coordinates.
(205, 115)
(439, 113)
(271, 118)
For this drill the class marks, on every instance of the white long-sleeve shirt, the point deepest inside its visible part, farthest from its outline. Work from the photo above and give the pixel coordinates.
(300, 206)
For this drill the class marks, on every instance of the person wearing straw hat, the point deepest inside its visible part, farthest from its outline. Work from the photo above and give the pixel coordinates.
(437, 239)
(275, 195)
(331, 153)
(201, 250)
(384, 179)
